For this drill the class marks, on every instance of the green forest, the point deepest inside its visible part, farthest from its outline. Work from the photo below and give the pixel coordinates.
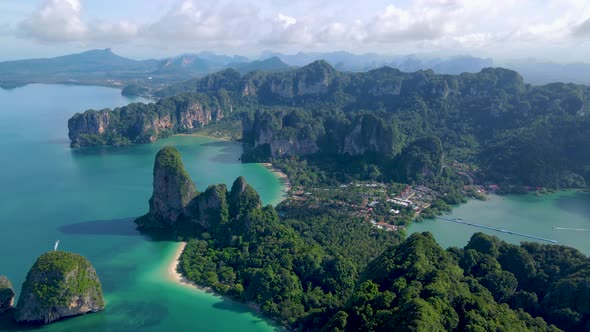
(329, 272)
(409, 126)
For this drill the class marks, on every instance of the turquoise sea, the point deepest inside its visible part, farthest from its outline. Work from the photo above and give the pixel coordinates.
(88, 198)
(562, 216)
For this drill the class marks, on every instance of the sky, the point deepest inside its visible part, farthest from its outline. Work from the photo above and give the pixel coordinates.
(555, 30)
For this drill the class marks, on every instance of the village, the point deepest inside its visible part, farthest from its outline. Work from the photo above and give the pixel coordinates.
(390, 207)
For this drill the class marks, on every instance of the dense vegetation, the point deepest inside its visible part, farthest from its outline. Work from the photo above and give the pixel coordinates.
(417, 286)
(549, 281)
(515, 133)
(404, 126)
(327, 272)
(57, 276)
(316, 267)
(253, 256)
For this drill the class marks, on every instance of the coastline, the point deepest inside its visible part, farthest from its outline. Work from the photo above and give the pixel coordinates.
(177, 277)
(225, 139)
(172, 271)
(283, 178)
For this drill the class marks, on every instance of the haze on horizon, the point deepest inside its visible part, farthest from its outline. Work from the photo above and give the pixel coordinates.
(555, 30)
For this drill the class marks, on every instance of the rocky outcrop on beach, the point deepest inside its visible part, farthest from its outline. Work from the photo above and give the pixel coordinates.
(176, 204)
(59, 285)
(6, 295)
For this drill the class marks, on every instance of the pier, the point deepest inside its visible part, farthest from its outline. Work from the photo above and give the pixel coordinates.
(459, 221)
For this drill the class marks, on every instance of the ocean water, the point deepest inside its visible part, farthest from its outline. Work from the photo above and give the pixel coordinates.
(540, 216)
(88, 198)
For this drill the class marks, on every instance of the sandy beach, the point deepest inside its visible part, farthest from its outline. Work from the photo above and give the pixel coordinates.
(282, 176)
(175, 276)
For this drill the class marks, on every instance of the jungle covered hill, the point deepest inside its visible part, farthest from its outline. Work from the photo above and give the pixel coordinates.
(513, 132)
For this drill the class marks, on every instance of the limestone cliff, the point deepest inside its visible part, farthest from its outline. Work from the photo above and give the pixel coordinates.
(369, 134)
(60, 284)
(177, 206)
(210, 208)
(242, 198)
(6, 295)
(173, 190)
(145, 123)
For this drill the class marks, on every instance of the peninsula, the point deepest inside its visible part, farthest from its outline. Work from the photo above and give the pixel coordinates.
(307, 268)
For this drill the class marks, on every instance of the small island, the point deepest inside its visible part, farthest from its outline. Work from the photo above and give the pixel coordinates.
(59, 285)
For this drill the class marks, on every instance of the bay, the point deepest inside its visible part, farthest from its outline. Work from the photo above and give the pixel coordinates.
(88, 198)
(541, 216)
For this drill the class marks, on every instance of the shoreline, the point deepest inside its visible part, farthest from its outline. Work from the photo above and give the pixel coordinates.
(177, 277)
(225, 139)
(283, 178)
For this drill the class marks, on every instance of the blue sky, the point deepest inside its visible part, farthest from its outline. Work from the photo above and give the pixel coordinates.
(557, 30)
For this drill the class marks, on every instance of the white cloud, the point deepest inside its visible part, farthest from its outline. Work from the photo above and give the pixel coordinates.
(55, 21)
(582, 29)
(285, 20)
(187, 22)
(238, 26)
(62, 21)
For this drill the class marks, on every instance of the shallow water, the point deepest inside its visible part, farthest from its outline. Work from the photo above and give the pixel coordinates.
(528, 214)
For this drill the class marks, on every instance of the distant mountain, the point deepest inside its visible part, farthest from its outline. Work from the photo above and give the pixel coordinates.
(273, 64)
(221, 59)
(186, 66)
(103, 67)
(345, 61)
(536, 72)
(96, 66)
(453, 65)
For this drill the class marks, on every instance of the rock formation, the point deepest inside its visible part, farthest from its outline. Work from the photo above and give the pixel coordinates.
(210, 208)
(173, 190)
(369, 134)
(60, 284)
(6, 295)
(242, 198)
(175, 202)
(145, 123)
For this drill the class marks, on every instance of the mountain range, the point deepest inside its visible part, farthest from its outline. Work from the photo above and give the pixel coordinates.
(103, 67)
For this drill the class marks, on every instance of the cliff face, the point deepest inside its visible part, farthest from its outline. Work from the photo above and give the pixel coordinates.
(173, 190)
(88, 123)
(175, 202)
(211, 206)
(59, 285)
(242, 198)
(6, 295)
(369, 134)
(141, 123)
